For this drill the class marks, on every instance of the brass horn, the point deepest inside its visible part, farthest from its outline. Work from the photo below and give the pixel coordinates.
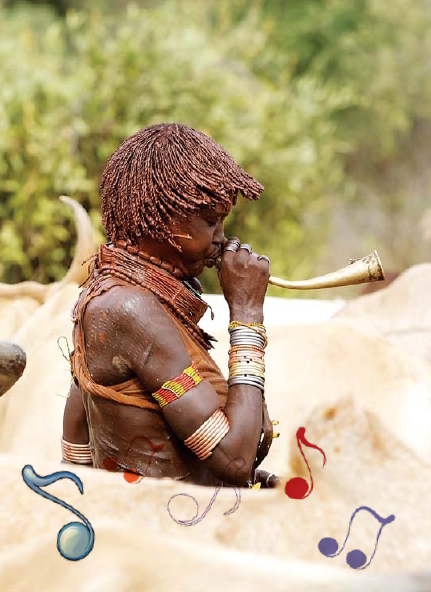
(358, 271)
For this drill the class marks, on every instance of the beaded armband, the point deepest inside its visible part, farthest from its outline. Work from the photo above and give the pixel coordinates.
(171, 390)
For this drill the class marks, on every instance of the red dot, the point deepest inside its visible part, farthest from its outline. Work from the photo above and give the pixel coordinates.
(131, 476)
(296, 488)
(110, 464)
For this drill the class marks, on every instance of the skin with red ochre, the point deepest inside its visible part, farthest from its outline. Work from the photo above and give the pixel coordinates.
(128, 333)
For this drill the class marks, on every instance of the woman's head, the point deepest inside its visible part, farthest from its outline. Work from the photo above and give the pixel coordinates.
(164, 175)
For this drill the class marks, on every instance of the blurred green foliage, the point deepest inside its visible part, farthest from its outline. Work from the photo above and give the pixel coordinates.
(309, 96)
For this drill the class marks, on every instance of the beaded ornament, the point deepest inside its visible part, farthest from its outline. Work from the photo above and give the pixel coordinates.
(171, 390)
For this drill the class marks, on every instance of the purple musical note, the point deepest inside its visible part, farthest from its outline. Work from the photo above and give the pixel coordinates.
(196, 518)
(356, 559)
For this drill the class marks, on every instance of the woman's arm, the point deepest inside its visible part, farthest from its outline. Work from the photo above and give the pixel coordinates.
(156, 353)
(75, 426)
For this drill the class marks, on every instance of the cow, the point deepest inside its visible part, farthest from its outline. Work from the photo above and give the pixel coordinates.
(269, 542)
(365, 402)
(19, 301)
(401, 312)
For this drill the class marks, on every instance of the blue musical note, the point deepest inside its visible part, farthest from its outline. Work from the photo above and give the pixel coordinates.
(356, 558)
(75, 540)
(196, 518)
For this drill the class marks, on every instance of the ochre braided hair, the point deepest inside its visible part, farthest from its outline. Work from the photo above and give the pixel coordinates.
(165, 173)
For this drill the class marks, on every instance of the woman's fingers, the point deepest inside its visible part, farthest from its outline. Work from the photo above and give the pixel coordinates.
(266, 479)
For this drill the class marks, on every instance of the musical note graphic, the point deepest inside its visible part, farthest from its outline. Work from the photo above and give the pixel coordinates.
(297, 488)
(356, 558)
(131, 475)
(75, 540)
(196, 518)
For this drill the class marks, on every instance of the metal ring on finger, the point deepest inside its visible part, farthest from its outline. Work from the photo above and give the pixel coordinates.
(232, 242)
(268, 478)
(247, 247)
(264, 257)
(231, 247)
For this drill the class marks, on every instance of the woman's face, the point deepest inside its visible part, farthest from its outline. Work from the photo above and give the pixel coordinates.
(206, 230)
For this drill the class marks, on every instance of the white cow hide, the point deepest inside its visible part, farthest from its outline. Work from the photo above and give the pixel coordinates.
(401, 312)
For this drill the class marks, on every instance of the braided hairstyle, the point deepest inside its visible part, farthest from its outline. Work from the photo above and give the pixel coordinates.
(165, 173)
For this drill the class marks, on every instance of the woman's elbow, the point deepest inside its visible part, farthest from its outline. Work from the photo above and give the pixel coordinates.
(234, 472)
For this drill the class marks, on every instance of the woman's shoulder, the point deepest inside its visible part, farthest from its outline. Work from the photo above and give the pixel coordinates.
(128, 308)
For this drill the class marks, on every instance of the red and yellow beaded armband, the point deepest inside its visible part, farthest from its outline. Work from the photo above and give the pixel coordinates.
(173, 389)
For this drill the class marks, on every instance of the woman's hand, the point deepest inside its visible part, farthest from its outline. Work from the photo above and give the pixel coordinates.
(268, 432)
(267, 480)
(243, 279)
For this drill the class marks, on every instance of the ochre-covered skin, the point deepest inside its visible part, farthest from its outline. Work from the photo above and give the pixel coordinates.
(131, 335)
(111, 351)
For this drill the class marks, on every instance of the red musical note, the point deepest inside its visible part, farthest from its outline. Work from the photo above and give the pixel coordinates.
(297, 488)
(131, 475)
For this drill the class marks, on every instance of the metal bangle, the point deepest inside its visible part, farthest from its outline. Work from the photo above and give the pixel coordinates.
(247, 330)
(254, 381)
(246, 369)
(251, 375)
(247, 333)
(242, 332)
(251, 335)
(247, 341)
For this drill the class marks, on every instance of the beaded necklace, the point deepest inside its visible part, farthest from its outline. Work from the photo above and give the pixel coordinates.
(128, 263)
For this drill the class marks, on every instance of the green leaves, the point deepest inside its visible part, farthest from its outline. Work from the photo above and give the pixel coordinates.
(293, 90)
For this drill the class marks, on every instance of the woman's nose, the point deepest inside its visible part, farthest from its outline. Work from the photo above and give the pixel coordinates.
(219, 237)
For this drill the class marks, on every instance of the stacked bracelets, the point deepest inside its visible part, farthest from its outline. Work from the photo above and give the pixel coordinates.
(208, 435)
(246, 354)
(76, 453)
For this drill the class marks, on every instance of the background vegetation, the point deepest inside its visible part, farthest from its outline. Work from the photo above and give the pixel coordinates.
(326, 102)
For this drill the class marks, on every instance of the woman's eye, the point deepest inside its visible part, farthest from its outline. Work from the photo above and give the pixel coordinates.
(212, 223)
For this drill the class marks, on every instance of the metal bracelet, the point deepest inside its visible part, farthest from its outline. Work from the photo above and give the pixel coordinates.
(253, 381)
(249, 337)
(246, 330)
(246, 339)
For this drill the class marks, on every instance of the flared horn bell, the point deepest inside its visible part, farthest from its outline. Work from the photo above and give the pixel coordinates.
(358, 271)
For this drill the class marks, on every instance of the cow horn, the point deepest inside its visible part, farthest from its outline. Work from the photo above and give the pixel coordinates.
(23, 289)
(85, 245)
(12, 364)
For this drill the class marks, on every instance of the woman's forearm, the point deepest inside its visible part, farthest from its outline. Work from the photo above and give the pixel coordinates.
(244, 413)
(75, 426)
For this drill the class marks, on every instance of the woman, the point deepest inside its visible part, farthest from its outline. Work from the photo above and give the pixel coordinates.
(147, 396)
